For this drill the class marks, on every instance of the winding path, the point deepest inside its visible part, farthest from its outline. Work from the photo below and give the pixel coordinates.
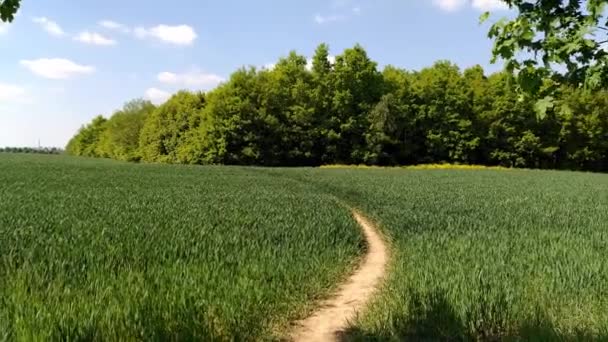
(333, 315)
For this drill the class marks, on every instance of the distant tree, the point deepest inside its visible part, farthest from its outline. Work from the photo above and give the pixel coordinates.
(583, 130)
(33, 150)
(165, 136)
(349, 112)
(321, 65)
(120, 139)
(8, 9)
(356, 88)
(392, 137)
(321, 101)
(239, 126)
(86, 141)
(445, 114)
(509, 124)
(384, 138)
(288, 96)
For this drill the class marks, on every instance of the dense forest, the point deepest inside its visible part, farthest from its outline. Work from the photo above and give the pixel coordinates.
(348, 111)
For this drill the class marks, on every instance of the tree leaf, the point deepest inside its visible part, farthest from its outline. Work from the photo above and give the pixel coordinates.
(541, 106)
(484, 17)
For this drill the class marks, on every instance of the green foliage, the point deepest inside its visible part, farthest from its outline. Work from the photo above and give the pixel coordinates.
(348, 112)
(236, 130)
(86, 141)
(541, 106)
(356, 88)
(8, 9)
(583, 137)
(120, 138)
(289, 103)
(444, 109)
(563, 41)
(100, 250)
(167, 129)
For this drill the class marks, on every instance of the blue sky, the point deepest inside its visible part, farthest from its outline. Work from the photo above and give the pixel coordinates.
(64, 62)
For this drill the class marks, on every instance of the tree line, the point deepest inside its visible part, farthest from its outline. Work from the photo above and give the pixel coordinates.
(350, 112)
(33, 150)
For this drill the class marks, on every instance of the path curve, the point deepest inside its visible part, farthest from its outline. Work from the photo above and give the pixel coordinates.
(333, 316)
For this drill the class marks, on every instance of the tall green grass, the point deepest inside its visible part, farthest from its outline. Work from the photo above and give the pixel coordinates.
(484, 255)
(102, 250)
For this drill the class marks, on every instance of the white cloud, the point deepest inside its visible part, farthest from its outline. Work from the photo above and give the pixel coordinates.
(178, 35)
(157, 96)
(309, 64)
(269, 66)
(450, 5)
(490, 5)
(11, 92)
(191, 79)
(321, 19)
(94, 39)
(332, 60)
(342, 10)
(481, 5)
(112, 25)
(56, 68)
(3, 27)
(49, 26)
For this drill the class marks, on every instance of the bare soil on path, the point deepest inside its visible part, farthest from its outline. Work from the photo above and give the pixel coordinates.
(330, 321)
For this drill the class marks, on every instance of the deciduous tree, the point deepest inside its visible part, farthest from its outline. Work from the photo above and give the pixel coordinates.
(8, 9)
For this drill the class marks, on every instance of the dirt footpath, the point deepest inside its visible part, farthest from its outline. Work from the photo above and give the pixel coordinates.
(333, 315)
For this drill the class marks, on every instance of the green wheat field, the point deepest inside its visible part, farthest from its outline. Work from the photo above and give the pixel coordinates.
(103, 250)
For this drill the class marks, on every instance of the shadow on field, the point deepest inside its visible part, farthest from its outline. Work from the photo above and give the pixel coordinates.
(433, 318)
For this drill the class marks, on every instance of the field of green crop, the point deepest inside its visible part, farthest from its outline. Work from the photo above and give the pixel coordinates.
(102, 250)
(484, 255)
(95, 249)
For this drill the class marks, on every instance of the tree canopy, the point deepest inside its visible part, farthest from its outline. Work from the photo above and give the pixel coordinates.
(120, 137)
(8, 9)
(166, 133)
(86, 141)
(348, 111)
(554, 42)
